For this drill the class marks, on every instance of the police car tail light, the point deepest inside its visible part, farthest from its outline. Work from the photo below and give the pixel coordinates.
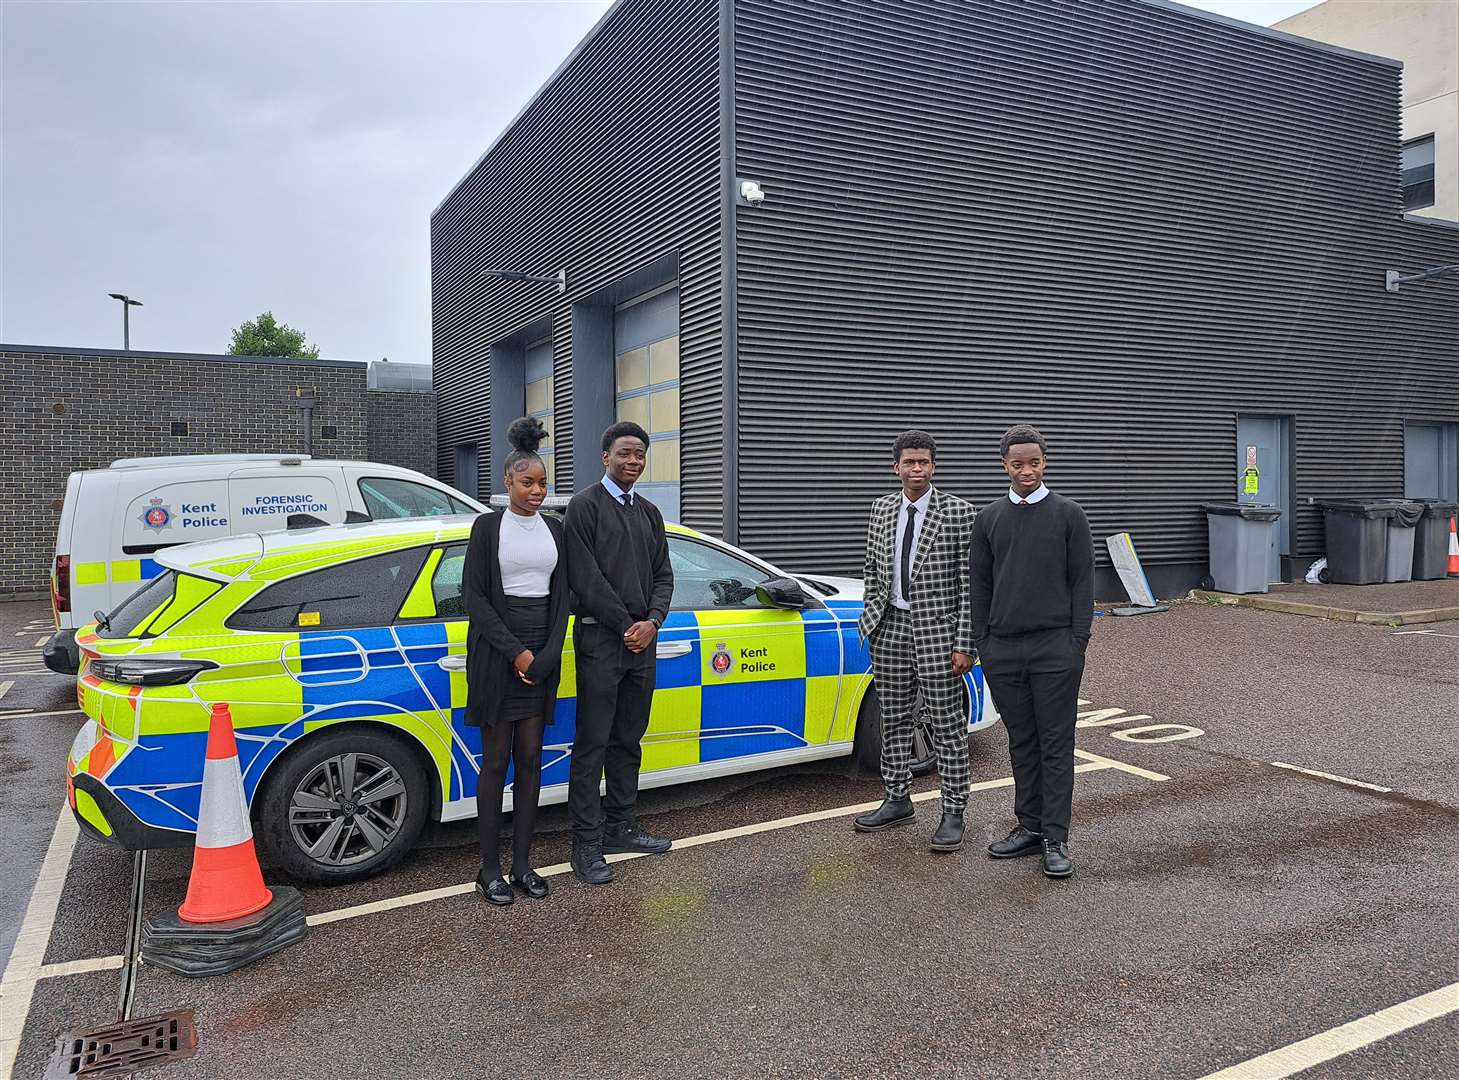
(141, 672)
(61, 586)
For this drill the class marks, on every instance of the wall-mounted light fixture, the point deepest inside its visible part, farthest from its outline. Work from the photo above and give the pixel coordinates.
(1393, 279)
(559, 279)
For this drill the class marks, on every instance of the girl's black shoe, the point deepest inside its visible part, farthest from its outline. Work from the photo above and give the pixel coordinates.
(496, 891)
(531, 883)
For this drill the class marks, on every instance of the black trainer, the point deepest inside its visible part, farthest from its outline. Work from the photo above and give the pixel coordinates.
(589, 865)
(949, 834)
(1057, 863)
(890, 812)
(629, 837)
(1019, 842)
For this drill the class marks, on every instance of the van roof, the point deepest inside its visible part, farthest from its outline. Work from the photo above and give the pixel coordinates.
(271, 555)
(203, 459)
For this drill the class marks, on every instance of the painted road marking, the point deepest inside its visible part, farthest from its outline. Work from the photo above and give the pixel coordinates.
(40, 641)
(1332, 776)
(5, 687)
(1426, 633)
(1345, 1039)
(11, 714)
(17, 985)
(1091, 763)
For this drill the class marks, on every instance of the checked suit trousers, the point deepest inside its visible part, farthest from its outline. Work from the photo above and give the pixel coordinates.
(898, 680)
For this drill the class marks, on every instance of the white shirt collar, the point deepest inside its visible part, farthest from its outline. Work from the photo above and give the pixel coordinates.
(920, 504)
(613, 489)
(1039, 494)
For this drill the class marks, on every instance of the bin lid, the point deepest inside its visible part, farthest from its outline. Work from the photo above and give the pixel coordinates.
(1249, 511)
(1444, 508)
(1363, 508)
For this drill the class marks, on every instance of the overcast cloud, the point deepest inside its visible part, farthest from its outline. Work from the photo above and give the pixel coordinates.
(216, 159)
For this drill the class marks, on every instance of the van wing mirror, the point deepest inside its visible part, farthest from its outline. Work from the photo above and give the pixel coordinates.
(781, 593)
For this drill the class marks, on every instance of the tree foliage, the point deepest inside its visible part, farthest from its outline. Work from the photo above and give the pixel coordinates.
(266, 336)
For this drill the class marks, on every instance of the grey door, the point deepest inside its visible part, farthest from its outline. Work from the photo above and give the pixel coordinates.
(468, 469)
(1262, 453)
(1429, 460)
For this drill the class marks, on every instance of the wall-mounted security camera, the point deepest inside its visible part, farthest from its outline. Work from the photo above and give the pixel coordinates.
(751, 194)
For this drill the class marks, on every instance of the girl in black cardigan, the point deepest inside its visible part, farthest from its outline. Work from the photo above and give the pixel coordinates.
(515, 586)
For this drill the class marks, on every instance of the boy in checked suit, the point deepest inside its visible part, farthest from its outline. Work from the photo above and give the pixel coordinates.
(919, 625)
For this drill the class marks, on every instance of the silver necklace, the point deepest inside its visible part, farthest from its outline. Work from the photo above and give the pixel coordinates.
(526, 524)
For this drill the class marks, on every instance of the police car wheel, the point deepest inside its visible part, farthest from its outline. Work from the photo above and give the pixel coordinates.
(344, 806)
(868, 738)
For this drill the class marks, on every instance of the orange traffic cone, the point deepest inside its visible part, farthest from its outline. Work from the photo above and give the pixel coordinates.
(230, 917)
(1453, 550)
(226, 881)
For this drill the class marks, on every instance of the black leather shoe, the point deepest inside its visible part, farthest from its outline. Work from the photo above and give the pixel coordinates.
(496, 891)
(628, 837)
(1056, 859)
(890, 812)
(531, 884)
(1019, 842)
(589, 865)
(949, 834)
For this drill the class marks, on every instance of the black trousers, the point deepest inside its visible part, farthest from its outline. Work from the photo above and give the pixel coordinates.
(1034, 679)
(614, 693)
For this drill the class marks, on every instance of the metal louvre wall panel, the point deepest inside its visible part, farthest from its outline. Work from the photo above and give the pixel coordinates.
(614, 164)
(1118, 221)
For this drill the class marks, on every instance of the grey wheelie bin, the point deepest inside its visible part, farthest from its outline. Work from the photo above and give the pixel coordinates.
(1241, 541)
(1398, 565)
(1431, 539)
(1357, 539)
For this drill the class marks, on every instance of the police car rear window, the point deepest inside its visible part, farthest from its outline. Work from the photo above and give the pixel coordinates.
(365, 592)
(136, 610)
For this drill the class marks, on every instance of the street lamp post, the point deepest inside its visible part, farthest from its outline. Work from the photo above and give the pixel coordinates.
(127, 304)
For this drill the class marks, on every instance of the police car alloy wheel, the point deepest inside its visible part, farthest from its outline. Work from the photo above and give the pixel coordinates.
(345, 806)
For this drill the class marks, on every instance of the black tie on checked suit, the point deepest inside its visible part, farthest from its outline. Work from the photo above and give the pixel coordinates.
(907, 545)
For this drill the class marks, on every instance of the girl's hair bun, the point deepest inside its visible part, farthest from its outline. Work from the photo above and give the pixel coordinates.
(526, 434)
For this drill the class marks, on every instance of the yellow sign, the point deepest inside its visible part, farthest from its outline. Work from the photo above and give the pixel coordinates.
(1251, 482)
(308, 618)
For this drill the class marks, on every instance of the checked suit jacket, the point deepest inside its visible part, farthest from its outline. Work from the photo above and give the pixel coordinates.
(942, 617)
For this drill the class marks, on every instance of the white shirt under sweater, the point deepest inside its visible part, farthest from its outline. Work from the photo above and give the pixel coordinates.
(897, 599)
(527, 554)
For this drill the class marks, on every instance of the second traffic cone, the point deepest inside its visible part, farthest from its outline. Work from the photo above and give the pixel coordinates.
(226, 881)
(1453, 550)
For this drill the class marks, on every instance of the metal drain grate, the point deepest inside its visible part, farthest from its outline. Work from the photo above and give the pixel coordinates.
(124, 1048)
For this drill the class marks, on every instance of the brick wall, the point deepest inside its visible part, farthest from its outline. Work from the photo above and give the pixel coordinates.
(70, 409)
(402, 429)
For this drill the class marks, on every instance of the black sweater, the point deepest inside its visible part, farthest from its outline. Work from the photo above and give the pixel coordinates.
(617, 559)
(1032, 568)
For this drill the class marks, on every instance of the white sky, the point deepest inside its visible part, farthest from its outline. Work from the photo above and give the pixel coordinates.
(218, 159)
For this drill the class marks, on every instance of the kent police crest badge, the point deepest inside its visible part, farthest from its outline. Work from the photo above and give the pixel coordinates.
(157, 516)
(721, 661)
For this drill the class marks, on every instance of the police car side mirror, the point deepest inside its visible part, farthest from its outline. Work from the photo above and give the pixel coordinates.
(781, 593)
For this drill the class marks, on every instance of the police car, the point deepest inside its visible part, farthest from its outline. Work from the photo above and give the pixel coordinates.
(342, 651)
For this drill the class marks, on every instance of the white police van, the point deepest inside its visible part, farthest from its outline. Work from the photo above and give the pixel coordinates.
(115, 519)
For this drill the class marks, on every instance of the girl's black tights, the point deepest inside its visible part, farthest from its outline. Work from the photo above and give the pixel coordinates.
(521, 742)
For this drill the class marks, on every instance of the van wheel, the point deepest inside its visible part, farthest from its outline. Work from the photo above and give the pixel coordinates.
(867, 744)
(345, 806)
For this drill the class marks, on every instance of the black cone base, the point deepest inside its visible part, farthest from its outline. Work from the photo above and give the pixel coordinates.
(196, 949)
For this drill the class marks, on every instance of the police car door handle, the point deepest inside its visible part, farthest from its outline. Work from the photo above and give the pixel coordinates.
(452, 663)
(667, 650)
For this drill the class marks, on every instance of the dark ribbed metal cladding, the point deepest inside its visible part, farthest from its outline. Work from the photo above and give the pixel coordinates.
(1115, 220)
(615, 164)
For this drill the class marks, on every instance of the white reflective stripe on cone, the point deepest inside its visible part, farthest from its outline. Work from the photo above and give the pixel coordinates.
(223, 816)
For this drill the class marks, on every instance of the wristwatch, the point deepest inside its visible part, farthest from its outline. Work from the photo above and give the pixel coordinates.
(658, 623)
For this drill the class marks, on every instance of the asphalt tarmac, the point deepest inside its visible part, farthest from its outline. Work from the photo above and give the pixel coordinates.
(1224, 906)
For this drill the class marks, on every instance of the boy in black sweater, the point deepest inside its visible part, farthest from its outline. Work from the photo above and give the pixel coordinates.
(618, 567)
(1032, 596)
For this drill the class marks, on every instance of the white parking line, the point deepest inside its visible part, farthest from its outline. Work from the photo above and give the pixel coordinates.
(1345, 1039)
(23, 968)
(6, 714)
(1091, 763)
(1331, 776)
(5, 687)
